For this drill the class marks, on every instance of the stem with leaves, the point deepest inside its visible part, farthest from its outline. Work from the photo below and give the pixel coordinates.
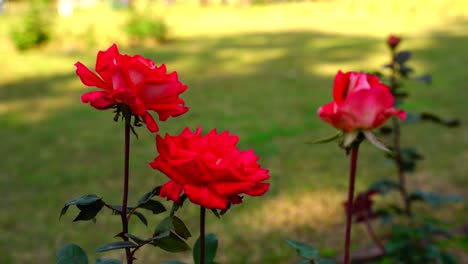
(396, 130)
(349, 204)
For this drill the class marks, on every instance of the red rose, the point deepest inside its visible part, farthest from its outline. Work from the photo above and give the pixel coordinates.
(393, 41)
(361, 103)
(210, 169)
(136, 82)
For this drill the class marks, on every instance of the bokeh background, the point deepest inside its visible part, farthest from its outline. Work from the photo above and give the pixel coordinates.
(259, 69)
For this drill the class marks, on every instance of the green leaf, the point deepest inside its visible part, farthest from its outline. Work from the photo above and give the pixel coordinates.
(171, 243)
(216, 213)
(161, 235)
(434, 199)
(401, 95)
(154, 206)
(89, 206)
(395, 245)
(137, 240)
(141, 217)
(211, 246)
(108, 261)
(402, 56)
(405, 70)
(325, 261)
(82, 201)
(147, 196)
(304, 250)
(224, 211)
(177, 206)
(116, 245)
(409, 157)
(180, 228)
(447, 258)
(71, 254)
(431, 117)
(452, 122)
(163, 226)
(63, 211)
(426, 78)
(172, 262)
(384, 186)
(327, 139)
(88, 212)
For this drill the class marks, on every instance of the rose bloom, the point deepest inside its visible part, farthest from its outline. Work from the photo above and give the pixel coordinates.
(209, 169)
(393, 41)
(361, 103)
(136, 82)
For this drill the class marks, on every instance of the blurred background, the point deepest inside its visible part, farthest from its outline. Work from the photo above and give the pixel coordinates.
(258, 68)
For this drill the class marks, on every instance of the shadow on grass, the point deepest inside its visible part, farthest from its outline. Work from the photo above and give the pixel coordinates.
(264, 87)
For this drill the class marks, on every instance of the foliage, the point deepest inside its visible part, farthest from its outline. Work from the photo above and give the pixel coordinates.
(35, 28)
(418, 240)
(170, 234)
(142, 26)
(308, 253)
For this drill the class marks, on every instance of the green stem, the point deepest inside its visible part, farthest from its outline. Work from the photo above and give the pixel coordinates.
(397, 141)
(400, 165)
(349, 204)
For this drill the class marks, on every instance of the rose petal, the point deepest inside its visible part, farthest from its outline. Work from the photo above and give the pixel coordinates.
(341, 120)
(235, 199)
(89, 78)
(205, 197)
(340, 86)
(98, 99)
(171, 190)
(231, 188)
(365, 106)
(138, 108)
(150, 123)
(259, 189)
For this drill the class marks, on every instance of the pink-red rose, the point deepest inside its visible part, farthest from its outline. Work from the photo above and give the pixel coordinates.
(134, 81)
(209, 169)
(393, 41)
(361, 103)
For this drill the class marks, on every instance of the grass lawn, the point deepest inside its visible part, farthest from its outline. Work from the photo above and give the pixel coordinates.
(260, 72)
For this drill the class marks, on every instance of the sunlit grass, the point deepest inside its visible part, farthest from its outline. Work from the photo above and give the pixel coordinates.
(260, 72)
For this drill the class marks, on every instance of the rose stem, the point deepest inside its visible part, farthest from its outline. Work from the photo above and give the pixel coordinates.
(349, 204)
(371, 232)
(123, 213)
(202, 235)
(396, 141)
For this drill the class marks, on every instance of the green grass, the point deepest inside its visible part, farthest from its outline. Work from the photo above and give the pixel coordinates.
(260, 72)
